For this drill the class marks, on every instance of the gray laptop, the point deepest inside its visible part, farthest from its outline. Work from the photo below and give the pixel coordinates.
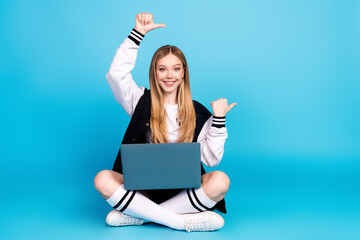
(161, 166)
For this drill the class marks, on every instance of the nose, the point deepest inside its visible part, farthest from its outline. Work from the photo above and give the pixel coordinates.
(170, 74)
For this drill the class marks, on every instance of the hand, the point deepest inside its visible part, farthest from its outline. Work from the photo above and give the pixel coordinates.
(220, 107)
(144, 23)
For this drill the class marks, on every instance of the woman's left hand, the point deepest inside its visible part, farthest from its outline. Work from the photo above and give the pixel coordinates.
(220, 107)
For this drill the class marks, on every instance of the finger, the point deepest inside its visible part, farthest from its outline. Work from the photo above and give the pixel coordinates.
(151, 18)
(143, 19)
(147, 18)
(231, 106)
(138, 17)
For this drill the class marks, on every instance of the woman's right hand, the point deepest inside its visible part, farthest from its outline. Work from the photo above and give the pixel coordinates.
(144, 23)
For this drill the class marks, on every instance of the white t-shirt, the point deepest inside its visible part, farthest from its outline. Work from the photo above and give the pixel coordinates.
(171, 123)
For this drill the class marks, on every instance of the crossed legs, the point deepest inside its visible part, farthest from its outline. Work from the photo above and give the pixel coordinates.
(215, 184)
(135, 203)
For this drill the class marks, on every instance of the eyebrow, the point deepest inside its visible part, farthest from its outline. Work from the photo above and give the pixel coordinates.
(173, 66)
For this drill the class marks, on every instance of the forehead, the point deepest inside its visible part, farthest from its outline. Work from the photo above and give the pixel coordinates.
(169, 60)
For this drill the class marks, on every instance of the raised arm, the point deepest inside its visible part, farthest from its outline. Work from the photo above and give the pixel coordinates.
(119, 77)
(214, 133)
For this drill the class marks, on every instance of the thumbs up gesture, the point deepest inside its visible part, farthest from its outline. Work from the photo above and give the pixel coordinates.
(220, 107)
(144, 23)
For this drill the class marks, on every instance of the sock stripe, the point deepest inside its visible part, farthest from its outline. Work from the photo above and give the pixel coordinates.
(128, 202)
(121, 200)
(192, 202)
(198, 201)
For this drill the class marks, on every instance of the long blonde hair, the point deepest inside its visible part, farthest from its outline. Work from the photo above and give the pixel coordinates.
(186, 112)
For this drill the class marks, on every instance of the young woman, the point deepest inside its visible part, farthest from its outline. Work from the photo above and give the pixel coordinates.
(165, 114)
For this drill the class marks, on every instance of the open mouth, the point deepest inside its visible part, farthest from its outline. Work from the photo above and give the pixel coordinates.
(169, 83)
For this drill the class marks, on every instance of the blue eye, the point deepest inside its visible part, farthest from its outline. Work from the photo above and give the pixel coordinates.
(177, 69)
(161, 69)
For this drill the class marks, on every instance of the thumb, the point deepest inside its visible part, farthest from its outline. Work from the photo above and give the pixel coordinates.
(231, 106)
(159, 25)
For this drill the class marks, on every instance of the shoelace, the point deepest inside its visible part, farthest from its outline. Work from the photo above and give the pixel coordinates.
(201, 224)
(127, 220)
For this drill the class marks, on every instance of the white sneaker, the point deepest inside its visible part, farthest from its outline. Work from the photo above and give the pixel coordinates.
(204, 221)
(116, 218)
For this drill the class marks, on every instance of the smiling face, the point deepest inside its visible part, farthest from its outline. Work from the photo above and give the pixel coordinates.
(169, 74)
(170, 84)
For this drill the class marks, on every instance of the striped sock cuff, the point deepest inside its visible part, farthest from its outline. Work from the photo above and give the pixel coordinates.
(218, 122)
(136, 36)
(121, 199)
(195, 202)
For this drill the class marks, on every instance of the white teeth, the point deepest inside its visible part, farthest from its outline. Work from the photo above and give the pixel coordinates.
(169, 83)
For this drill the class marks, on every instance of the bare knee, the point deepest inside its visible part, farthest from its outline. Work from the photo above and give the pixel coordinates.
(220, 181)
(216, 184)
(101, 179)
(106, 182)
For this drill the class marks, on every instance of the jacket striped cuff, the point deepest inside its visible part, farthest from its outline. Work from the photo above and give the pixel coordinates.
(218, 122)
(136, 36)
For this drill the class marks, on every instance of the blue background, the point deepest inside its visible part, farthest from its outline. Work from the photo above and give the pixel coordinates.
(293, 152)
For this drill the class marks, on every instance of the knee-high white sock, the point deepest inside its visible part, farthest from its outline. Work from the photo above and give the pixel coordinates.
(135, 204)
(189, 201)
